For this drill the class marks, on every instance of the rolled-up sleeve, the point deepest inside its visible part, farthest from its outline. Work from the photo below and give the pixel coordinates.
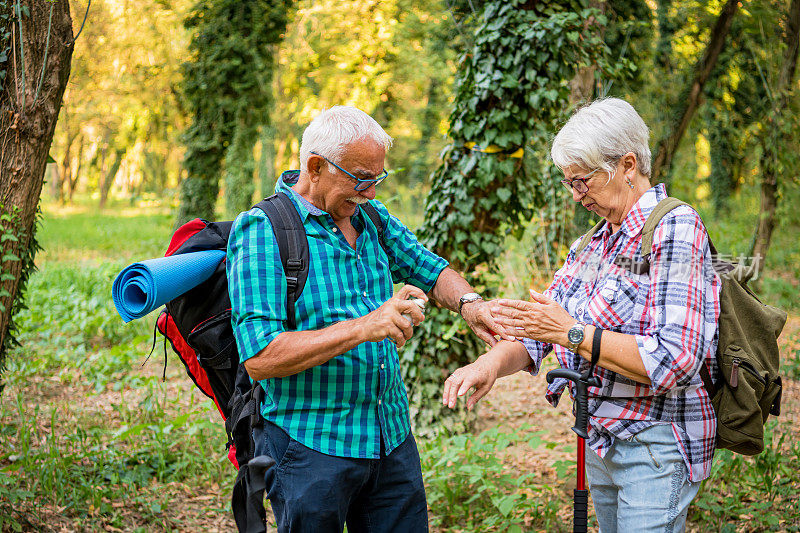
(256, 284)
(410, 261)
(537, 351)
(681, 330)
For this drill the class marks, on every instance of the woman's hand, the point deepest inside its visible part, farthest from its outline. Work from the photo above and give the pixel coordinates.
(542, 319)
(478, 316)
(503, 359)
(480, 375)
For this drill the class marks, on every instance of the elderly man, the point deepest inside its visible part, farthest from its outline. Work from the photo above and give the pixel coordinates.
(336, 409)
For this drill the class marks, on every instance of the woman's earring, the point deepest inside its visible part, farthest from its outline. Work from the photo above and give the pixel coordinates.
(629, 182)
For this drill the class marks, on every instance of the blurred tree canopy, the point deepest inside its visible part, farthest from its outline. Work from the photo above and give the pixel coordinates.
(120, 120)
(195, 102)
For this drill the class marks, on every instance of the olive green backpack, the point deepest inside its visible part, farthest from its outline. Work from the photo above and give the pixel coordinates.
(749, 388)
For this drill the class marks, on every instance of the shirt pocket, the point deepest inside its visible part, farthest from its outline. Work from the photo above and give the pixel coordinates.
(614, 301)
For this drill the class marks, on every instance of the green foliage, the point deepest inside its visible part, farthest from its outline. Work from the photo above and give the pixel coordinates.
(225, 88)
(736, 103)
(790, 363)
(95, 472)
(119, 450)
(469, 477)
(629, 35)
(727, 496)
(19, 246)
(510, 94)
(121, 96)
(6, 22)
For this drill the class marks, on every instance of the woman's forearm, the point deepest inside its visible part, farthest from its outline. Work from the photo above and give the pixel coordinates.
(507, 357)
(618, 353)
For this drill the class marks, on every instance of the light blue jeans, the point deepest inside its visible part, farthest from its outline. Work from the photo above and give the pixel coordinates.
(641, 484)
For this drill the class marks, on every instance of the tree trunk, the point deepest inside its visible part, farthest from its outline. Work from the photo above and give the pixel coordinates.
(73, 182)
(108, 179)
(773, 142)
(240, 168)
(689, 104)
(266, 162)
(27, 123)
(66, 168)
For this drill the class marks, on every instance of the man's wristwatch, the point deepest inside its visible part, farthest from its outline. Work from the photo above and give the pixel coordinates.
(575, 336)
(468, 298)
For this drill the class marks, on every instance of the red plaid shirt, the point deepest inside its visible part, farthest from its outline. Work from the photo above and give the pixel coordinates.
(672, 311)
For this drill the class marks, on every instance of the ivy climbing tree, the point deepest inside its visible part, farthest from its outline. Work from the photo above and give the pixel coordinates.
(227, 94)
(512, 91)
(35, 52)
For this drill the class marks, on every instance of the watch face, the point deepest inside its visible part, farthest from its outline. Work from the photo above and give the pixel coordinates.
(575, 335)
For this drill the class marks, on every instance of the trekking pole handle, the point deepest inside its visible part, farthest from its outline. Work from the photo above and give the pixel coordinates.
(582, 383)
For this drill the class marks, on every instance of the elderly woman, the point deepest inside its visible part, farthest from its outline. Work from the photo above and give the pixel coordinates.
(652, 427)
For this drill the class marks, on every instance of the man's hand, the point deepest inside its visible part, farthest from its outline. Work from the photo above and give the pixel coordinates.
(392, 318)
(479, 318)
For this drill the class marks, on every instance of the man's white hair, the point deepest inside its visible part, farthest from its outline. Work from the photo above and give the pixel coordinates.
(335, 128)
(597, 135)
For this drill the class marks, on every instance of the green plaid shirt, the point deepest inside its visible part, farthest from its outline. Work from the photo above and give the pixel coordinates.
(344, 406)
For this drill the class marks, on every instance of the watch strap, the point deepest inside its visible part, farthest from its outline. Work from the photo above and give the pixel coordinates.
(598, 333)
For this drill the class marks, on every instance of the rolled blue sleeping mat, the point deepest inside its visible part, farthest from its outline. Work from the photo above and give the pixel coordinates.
(142, 287)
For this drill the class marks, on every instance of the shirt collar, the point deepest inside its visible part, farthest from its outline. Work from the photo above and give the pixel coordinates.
(633, 223)
(286, 181)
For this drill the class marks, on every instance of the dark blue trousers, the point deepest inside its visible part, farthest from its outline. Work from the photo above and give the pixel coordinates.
(318, 493)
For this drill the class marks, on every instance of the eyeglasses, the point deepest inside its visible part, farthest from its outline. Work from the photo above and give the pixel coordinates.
(579, 184)
(362, 184)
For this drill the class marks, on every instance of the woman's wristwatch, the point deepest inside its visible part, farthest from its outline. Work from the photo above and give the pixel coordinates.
(575, 336)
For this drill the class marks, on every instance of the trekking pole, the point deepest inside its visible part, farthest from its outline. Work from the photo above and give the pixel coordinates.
(582, 382)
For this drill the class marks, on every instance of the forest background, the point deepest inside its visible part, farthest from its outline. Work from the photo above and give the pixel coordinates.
(175, 109)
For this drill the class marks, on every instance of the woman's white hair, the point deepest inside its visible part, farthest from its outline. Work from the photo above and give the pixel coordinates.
(335, 128)
(597, 135)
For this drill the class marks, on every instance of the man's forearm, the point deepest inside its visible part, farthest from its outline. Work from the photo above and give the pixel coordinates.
(291, 352)
(449, 289)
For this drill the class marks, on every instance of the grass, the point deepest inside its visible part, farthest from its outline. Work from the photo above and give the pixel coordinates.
(92, 440)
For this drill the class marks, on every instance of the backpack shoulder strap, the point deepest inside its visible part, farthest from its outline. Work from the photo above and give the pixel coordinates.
(373, 215)
(588, 237)
(664, 206)
(292, 245)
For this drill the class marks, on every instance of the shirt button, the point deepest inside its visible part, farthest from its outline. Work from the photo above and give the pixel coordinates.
(380, 402)
(335, 230)
(365, 294)
(580, 310)
(382, 365)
